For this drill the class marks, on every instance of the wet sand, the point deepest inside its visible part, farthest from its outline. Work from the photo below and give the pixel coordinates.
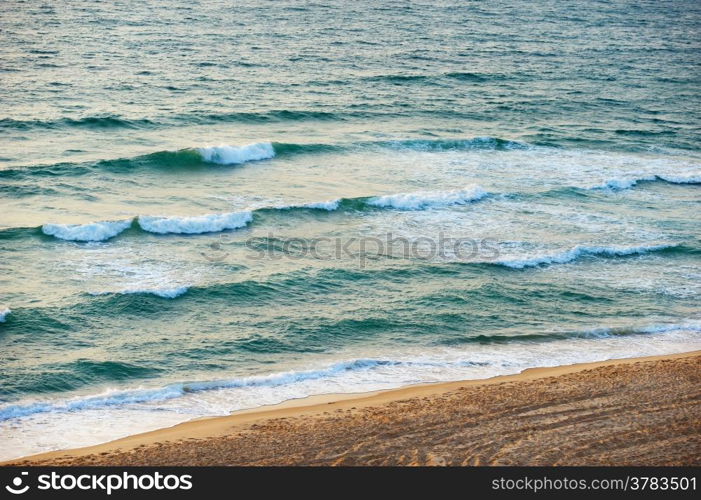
(639, 411)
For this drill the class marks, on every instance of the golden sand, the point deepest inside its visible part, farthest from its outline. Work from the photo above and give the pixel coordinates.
(640, 411)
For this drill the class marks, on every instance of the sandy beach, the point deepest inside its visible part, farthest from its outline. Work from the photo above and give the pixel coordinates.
(350, 233)
(637, 411)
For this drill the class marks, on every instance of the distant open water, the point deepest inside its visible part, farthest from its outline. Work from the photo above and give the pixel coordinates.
(165, 168)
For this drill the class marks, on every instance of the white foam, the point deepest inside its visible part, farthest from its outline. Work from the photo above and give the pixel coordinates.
(195, 225)
(493, 360)
(425, 199)
(688, 326)
(577, 252)
(116, 397)
(232, 155)
(3, 313)
(96, 231)
(35, 425)
(619, 184)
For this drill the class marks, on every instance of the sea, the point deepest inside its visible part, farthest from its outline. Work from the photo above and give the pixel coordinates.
(209, 206)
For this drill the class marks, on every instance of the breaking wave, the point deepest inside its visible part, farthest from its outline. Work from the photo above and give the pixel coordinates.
(427, 199)
(210, 223)
(96, 231)
(629, 182)
(231, 155)
(578, 252)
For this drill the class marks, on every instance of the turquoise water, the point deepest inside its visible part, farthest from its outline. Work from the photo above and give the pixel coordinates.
(209, 207)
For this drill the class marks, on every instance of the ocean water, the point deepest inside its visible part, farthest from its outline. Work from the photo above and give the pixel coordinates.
(210, 206)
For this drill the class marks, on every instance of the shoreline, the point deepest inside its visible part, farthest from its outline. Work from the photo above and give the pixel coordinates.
(319, 407)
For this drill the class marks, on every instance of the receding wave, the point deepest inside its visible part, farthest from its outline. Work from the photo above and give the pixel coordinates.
(118, 398)
(577, 252)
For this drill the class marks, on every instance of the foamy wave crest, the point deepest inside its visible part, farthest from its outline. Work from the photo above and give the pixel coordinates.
(96, 231)
(231, 155)
(166, 293)
(148, 396)
(136, 396)
(578, 252)
(426, 199)
(210, 223)
(3, 313)
(629, 182)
